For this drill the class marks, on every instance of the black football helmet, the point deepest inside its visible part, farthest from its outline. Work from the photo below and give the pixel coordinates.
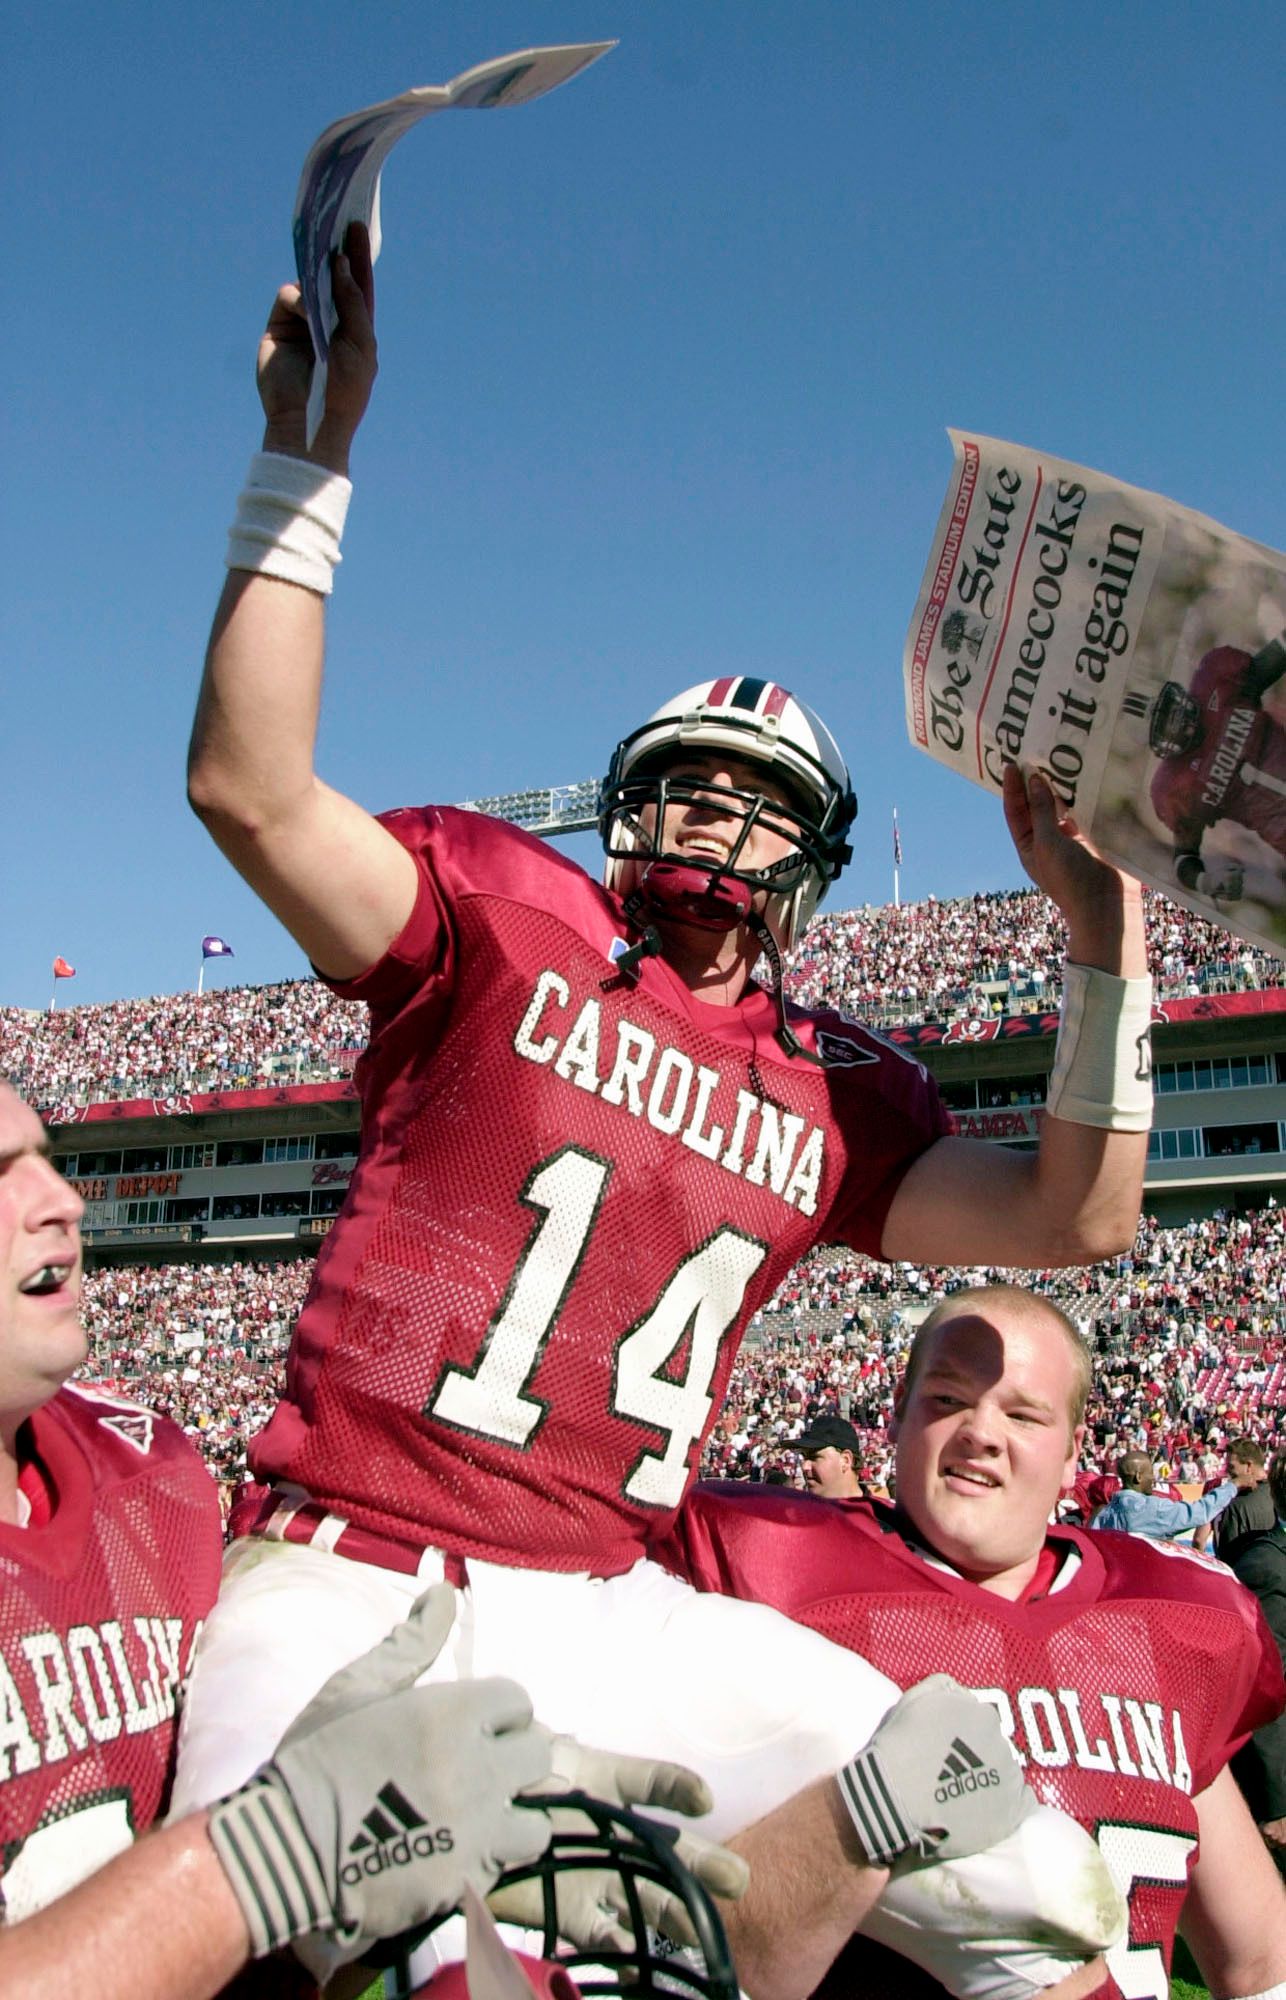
(638, 1850)
(1174, 726)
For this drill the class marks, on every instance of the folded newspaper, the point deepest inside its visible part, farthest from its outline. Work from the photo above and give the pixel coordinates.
(340, 182)
(1133, 651)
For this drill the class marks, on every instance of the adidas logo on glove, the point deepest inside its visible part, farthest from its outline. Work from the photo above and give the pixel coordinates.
(963, 1772)
(392, 1834)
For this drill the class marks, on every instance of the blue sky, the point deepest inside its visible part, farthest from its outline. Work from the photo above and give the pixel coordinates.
(666, 361)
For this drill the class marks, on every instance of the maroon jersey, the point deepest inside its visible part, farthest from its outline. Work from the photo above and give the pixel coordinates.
(99, 1614)
(1125, 1689)
(1238, 771)
(1092, 1491)
(574, 1188)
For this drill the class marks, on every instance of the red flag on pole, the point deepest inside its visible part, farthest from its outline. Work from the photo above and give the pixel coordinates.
(62, 970)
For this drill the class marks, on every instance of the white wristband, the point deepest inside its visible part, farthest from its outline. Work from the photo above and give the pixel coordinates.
(1277, 1992)
(289, 520)
(1102, 1072)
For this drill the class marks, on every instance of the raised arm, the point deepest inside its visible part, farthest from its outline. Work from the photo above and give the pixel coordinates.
(1177, 1516)
(341, 884)
(1077, 1198)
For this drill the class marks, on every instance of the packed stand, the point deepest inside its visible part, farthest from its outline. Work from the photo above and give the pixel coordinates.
(1189, 1337)
(1189, 1334)
(883, 964)
(172, 1045)
(204, 1344)
(992, 954)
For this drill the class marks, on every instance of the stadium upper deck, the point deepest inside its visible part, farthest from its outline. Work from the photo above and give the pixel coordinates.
(230, 1119)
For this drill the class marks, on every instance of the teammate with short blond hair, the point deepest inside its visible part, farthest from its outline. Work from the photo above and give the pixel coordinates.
(1126, 1672)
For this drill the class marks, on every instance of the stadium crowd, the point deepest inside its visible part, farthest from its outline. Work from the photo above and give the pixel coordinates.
(171, 1045)
(887, 964)
(1189, 1334)
(204, 1344)
(328, 1814)
(994, 953)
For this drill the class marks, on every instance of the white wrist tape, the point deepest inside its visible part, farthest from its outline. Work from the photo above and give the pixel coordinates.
(1277, 1992)
(1102, 1072)
(289, 520)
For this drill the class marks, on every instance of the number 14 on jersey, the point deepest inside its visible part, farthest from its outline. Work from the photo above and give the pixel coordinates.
(699, 1304)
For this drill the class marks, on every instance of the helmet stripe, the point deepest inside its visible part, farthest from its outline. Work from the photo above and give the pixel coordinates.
(777, 698)
(748, 693)
(719, 692)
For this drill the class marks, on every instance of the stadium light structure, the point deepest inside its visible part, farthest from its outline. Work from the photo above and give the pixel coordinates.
(549, 810)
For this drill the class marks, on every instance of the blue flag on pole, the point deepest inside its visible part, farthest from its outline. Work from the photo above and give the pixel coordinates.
(216, 947)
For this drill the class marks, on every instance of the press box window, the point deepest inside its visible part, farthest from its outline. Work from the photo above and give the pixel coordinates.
(89, 1166)
(276, 1150)
(335, 1146)
(235, 1208)
(1181, 1145)
(1233, 1141)
(293, 1201)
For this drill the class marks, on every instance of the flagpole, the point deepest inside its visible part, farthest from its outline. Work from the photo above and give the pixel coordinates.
(897, 863)
(212, 947)
(60, 970)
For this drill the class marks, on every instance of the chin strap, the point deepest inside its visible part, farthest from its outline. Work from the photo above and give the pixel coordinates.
(649, 942)
(649, 946)
(786, 1035)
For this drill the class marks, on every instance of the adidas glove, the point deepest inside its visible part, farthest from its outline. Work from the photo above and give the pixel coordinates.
(383, 1798)
(593, 1912)
(937, 1779)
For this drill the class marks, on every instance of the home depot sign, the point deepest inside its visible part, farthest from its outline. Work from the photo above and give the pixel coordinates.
(129, 1187)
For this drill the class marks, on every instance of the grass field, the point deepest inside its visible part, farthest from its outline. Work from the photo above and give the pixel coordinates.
(1186, 1982)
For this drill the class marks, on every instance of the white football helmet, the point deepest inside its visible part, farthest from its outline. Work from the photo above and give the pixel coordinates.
(759, 722)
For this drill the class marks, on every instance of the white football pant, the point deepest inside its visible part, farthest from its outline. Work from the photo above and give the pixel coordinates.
(645, 1665)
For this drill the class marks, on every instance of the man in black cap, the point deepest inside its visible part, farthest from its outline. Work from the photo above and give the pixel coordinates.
(832, 1456)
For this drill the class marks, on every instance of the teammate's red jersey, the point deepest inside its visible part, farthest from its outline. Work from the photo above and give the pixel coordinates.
(1125, 1688)
(1092, 1491)
(104, 1594)
(1238, 771)
(574, 1188)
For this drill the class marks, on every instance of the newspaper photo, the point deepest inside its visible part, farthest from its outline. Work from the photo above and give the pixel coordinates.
(1130, 649)
(340, 182)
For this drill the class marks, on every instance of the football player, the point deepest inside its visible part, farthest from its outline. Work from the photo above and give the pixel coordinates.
(1221, 757)
(381, 1801)
(522, 1324)
(1125, 1672)
(110, 1540)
